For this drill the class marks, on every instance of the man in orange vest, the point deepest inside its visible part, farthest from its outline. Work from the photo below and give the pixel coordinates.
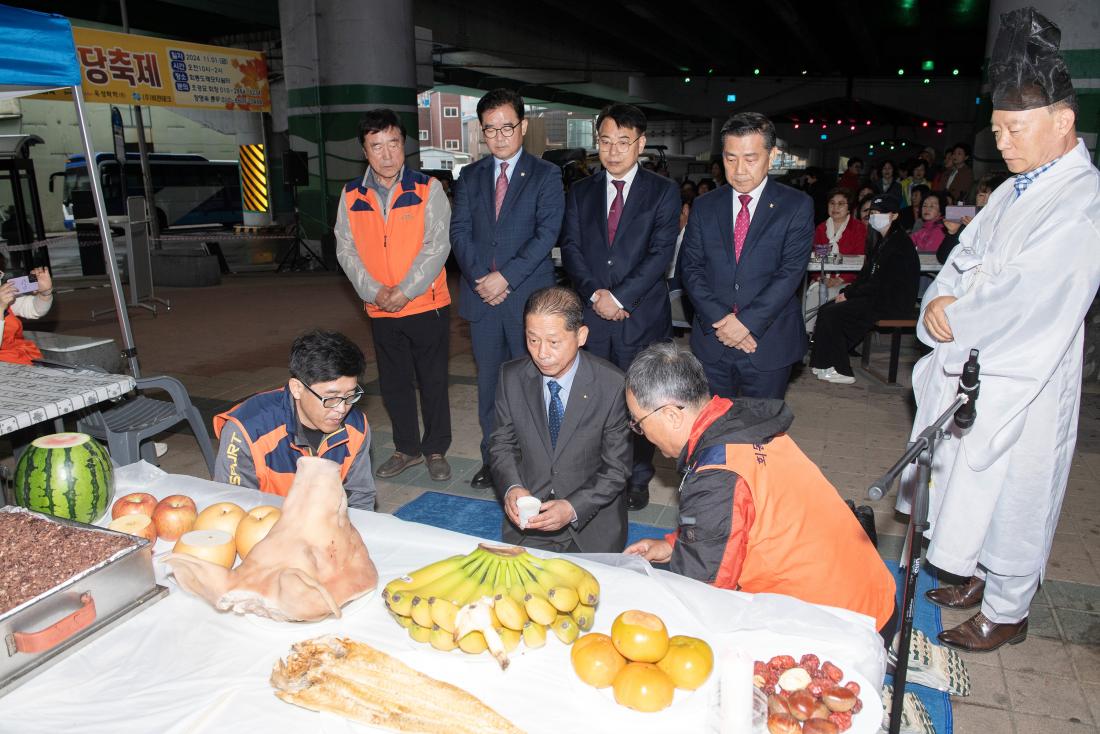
(392, 240)
(262, 438)
(755, 513)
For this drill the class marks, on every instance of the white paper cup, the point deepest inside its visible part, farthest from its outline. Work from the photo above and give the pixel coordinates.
(528, 507)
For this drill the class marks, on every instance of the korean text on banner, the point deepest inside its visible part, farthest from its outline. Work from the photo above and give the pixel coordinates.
(121, 68)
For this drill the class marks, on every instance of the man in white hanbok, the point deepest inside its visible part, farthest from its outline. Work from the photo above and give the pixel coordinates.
(1016, 288)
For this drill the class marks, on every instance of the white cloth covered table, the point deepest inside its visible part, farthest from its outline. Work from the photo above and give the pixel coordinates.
(30, 394)
(179, 666)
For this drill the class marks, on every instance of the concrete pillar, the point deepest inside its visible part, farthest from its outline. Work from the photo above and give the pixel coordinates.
(340, 60)
(255, 168)
(1078, 22)
(716, 124)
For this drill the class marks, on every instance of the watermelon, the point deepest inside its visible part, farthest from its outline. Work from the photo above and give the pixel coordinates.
(65, 475)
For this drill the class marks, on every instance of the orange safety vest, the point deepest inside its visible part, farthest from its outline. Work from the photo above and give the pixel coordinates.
(266, 421)
(388, 245)
(798, 537)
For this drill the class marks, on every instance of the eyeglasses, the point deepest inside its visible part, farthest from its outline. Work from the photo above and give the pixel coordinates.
(332, 401)
(505, 130)
(636, 425)
(619, 146)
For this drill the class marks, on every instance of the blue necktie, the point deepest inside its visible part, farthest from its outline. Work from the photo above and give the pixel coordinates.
(556, 411)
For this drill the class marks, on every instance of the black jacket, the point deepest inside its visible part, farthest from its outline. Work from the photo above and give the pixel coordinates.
(890, 276)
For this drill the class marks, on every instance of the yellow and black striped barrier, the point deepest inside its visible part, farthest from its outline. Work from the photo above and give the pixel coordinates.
(254, 178)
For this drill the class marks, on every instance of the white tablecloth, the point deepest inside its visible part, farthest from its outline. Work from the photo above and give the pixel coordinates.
(30, 394)
(854, 263)
(179, 666)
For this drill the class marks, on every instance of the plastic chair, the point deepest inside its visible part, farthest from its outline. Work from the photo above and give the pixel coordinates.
(125, 426)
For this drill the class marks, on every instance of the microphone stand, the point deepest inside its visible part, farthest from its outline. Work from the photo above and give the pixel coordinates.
(920, 450)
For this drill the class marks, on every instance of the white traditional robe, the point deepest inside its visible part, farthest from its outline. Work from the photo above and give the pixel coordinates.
(1025, 272)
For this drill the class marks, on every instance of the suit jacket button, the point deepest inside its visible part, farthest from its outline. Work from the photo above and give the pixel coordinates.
(608, 262)
(737, 286)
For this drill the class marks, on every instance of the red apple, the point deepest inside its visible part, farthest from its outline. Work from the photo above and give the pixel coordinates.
(220, 516)
(139, 525)
(255, 526)
(135, 503)
(174, 516)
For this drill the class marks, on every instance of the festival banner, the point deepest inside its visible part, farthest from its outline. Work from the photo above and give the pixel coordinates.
(121, 68)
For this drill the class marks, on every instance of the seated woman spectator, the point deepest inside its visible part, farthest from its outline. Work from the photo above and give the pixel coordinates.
(885, 288)
(888, 184)
(985, 186)
(705, 185)
(688, 191)
(917, 177)
(865, 190)
(844, 235)
(910, 216)
(930, 234)
(14, 306)
(717, 172)
(864, 208)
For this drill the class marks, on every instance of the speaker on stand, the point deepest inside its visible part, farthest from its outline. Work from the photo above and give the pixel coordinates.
(295, 174)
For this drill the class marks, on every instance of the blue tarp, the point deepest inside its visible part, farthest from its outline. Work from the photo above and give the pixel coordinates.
(36, 52)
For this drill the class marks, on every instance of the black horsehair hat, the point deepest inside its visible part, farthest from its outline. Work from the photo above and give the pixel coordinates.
(1025, 69)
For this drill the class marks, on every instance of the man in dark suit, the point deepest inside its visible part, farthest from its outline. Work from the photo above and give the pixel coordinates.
(507, 215)
(562, 435)
(743, 257)
(618, 239)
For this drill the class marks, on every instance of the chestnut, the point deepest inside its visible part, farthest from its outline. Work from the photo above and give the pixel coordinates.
(802, 704)
(839, 698)
(782, 724)
(778, 705)
(820, 726)
(821, 711)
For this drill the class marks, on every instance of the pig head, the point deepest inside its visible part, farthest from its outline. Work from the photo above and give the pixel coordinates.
(312, 562)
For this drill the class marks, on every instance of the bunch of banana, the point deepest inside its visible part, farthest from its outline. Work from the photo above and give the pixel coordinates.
(528, 597)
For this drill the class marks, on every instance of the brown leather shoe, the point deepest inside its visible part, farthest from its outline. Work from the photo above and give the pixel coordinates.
(438, 468)
(962, 596)
(978, 634)
(396, 464)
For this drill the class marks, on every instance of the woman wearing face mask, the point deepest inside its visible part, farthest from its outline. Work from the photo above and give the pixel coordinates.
(931, 232)
(885, 288)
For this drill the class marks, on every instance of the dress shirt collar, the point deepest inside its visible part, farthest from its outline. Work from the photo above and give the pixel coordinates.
(511, 166)
(566, 382)
(755, 194)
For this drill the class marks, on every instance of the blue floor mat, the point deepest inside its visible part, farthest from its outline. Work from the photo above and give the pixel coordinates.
(926, 618)
(483, 517)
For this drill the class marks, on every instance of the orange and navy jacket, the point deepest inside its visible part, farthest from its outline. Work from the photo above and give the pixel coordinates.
(756, 514)
(388, 244)
(261, 443)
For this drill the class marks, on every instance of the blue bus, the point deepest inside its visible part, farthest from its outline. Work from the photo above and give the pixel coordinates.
(188, 188)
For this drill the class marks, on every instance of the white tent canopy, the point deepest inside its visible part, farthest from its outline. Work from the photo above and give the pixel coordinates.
(37, 54)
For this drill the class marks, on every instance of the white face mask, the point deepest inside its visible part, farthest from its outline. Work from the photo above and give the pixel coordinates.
(879, 221)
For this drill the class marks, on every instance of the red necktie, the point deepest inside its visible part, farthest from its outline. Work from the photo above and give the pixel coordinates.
(615, 211)
(502, 186)
(741, 226)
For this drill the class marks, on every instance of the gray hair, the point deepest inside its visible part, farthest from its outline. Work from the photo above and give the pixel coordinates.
(664, 373)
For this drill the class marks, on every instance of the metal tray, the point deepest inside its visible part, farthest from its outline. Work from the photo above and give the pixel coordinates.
(76, 611)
